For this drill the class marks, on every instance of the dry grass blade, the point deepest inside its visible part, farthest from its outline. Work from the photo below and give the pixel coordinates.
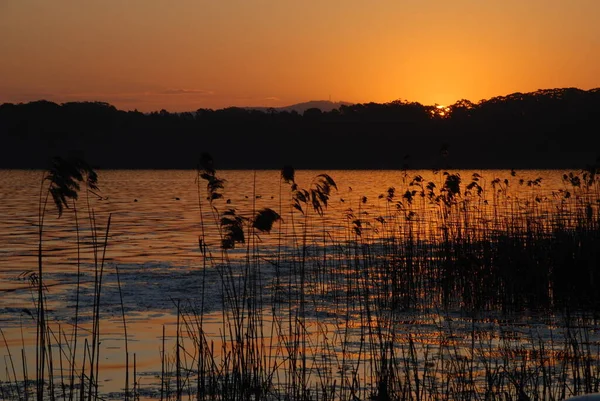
(65, 176)
(233, 229)
(264, 219)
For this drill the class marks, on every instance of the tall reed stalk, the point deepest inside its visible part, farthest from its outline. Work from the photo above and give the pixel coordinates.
(421, 294)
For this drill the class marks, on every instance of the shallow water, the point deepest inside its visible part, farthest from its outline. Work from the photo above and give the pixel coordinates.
(153, 259)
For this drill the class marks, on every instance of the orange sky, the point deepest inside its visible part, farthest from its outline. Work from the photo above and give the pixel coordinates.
(182, 55)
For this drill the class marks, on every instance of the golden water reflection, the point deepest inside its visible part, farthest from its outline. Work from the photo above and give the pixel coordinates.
(319, 301)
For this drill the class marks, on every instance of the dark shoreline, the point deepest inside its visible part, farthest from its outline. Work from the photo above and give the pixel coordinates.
(549, 129)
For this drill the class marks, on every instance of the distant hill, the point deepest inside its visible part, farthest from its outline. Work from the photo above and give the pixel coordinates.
(324, 105)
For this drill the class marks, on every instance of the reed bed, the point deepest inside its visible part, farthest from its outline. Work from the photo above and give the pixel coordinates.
(451, 289)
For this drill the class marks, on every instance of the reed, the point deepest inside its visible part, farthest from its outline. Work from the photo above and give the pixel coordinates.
(56, 378)
(423, 296)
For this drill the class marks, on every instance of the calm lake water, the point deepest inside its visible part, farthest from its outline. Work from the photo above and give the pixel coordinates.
(153, 245)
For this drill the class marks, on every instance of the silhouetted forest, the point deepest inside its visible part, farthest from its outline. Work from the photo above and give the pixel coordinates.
(555, 128)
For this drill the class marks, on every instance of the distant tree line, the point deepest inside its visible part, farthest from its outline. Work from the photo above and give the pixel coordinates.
(555, 128)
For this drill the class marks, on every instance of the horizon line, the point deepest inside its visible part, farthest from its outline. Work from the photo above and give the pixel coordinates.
(339, 102)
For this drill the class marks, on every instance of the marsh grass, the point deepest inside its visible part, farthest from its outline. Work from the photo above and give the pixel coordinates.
(421, 298)
(60, 363)
(337, 326)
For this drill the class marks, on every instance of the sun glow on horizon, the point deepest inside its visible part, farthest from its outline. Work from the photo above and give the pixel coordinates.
(202, 54)
(440, 111)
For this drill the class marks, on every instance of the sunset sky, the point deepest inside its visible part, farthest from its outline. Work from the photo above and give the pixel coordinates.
(182, 55)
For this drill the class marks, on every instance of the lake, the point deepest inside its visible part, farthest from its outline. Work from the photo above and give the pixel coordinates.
(453, 282)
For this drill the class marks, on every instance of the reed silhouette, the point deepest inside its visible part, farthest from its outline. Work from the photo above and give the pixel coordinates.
(414, 303)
